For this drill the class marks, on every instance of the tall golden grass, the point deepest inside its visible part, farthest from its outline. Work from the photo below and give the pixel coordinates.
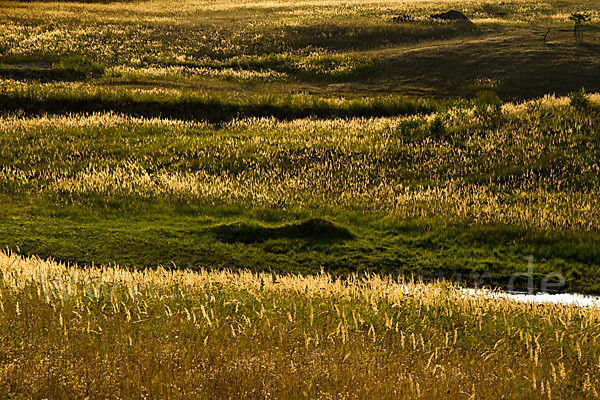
(106, 332)
(392, 165)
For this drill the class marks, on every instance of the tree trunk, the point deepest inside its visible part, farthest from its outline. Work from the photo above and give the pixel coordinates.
(578, 33)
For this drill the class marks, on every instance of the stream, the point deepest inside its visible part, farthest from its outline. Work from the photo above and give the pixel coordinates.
(575, 299)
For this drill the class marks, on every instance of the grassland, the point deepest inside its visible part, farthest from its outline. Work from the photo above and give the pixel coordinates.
(328, 48)
(294, 166)
(468, 189)
(205, 135)
(112, 333)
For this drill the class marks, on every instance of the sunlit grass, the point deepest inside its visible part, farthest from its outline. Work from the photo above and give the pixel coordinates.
(510, 166)
(214, 156)
(73, 332)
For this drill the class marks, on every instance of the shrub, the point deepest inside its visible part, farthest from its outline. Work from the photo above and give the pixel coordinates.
(437, 127)
(579, 100)
(80, 65)
(488, 108)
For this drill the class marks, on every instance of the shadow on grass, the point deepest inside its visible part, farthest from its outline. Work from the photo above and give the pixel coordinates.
(516, 68)
(357, 35)
(50, 68)
(42, 75)
(39, 100)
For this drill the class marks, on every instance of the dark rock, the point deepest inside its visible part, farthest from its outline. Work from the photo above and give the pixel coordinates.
(451, 15)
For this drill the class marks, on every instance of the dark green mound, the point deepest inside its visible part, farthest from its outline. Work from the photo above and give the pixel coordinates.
(314, 229)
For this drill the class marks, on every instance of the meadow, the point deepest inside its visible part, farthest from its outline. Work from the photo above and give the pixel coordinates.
(282, 199)
(113, 333)
(468, 189)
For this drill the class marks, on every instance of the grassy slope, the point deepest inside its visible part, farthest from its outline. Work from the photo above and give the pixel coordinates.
(246, 215)
(329, 50)
(209, 67)
(470, 191)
